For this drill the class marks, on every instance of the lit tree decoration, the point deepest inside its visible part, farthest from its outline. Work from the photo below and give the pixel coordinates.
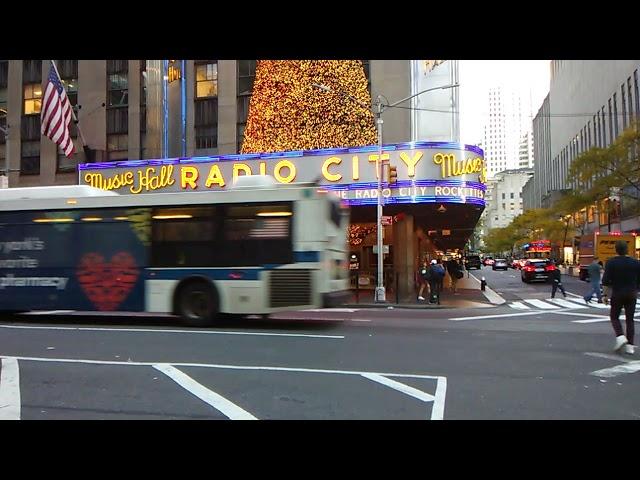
(358, 232)
(287, 113)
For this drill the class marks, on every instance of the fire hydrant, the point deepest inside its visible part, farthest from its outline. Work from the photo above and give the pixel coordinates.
(483, 284)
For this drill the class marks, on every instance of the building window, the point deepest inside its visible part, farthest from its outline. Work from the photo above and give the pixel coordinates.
(31, 71)
(117, 146)
(635, 89)
(143, 108)
(502, 194)
(206, 123)
(4, 73)
(30, 157)
(615, 115)
(512, 195)
(30, 127)
(118, 90)
(246, 76)
(630, 98)
(117, 120)
(624, 107)
(32, 98)
(3, 113)
(206, 79)
(604, 127)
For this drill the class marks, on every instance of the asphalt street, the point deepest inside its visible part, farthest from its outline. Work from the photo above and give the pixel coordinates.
(497, 362)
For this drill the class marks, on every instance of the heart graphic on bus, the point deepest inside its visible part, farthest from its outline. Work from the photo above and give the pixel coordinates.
(107, 283)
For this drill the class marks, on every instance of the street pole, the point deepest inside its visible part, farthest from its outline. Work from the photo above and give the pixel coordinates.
(380, 295)
(380, 290)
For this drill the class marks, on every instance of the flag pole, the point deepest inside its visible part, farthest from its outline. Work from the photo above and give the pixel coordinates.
(73, 113)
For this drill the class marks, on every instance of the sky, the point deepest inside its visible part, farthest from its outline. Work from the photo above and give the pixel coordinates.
(477, 76)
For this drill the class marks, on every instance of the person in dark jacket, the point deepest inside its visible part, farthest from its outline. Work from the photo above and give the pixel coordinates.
(556, 280)
(622, 277)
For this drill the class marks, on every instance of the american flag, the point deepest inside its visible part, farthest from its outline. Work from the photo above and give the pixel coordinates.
(55, 115)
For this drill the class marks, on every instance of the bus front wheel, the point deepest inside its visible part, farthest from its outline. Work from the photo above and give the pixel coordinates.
(197, 304)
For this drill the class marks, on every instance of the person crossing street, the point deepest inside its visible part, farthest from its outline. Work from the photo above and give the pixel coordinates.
(622, 277)
(556, 280)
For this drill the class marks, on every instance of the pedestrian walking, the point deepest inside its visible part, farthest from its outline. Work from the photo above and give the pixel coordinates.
(556, 280)
(622, 277)
(455, 273)
(423, 279)
(594, 281)
(436, 280)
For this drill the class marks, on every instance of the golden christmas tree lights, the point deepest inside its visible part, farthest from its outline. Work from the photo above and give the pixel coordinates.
(287, 113)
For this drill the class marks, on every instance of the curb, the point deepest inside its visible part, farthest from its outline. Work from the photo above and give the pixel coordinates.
(492, 296)
(394, 306)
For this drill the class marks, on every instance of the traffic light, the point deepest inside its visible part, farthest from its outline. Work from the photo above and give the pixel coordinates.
(392, 176)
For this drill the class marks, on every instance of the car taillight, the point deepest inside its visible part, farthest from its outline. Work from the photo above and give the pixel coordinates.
(529, 268)
(550, 268)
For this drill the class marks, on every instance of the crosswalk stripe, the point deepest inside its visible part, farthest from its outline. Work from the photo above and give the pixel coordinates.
(564, 303)
(540, 304)
(519, 306)
(580, 301)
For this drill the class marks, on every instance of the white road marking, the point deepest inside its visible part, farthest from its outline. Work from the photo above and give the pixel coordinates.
(342, 310)
(219, 366)
(603, 319)
(608, 356)
(567, 304)
(575, 295)
(224, 406)
(519, 306)
(437, 412)
(155, 330)
(540, 304)
(9, 389)
(622, 369)
(504, 315)
(48, 312)
(401, 387)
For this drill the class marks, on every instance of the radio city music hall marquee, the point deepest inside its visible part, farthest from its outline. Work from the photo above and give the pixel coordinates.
(427, 172)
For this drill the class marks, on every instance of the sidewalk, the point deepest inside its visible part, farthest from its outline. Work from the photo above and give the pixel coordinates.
(468, 295)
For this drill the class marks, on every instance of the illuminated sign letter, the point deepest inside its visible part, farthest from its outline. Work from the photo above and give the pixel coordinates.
(238, 167)
(189, 175)
(411, 162)
(374, 158)
(215, 177)
(355, 167)
(263, 168)
(285, 164)
(332, 177)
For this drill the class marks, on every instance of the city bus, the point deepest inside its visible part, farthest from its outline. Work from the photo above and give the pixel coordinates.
(252, 250)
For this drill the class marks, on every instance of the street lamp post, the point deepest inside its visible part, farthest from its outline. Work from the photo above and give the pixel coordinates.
(380, 295)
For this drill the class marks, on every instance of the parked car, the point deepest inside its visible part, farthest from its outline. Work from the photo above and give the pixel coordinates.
(536, 270)
(488, 261)
(472, 261)
(500, 264)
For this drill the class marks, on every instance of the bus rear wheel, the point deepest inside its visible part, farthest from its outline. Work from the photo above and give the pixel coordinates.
(197, 304)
